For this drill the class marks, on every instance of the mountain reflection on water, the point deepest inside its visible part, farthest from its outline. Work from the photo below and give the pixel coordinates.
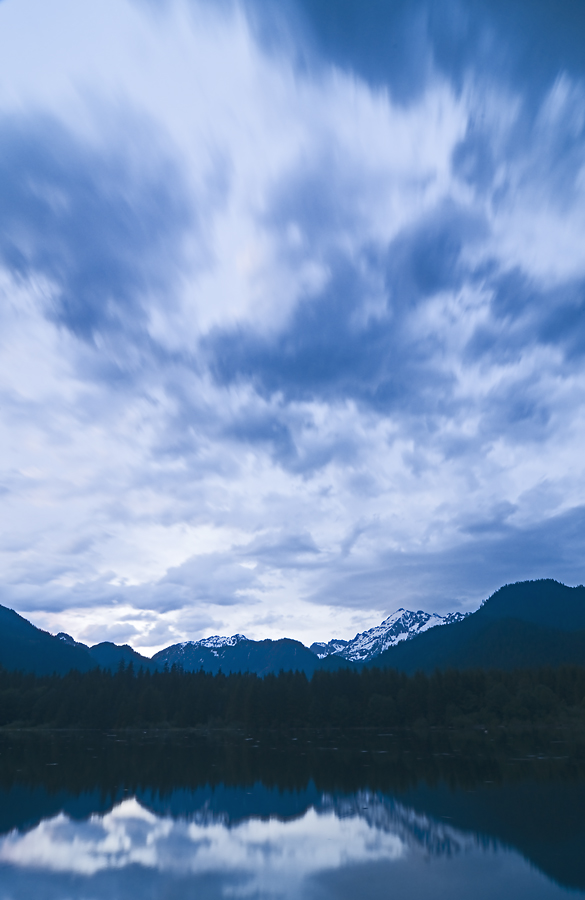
(312, 815)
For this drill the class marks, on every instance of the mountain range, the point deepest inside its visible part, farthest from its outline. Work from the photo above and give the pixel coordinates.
(525, 624)
(238, 654)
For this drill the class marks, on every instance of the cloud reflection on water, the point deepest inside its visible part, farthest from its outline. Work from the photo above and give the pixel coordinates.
(273, 854)
(340, 847)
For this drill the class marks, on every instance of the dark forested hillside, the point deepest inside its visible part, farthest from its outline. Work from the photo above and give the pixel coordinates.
(532, 623)
(109, 656)
(545, 602)
(22, 646)
(27, 648)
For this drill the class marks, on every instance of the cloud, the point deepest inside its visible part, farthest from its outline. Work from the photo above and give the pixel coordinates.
(403, 45)
(118, 633)
(284, 550)
(291, 317)
(211, 578)
(330, 349)
(494, 552)
(102, 228)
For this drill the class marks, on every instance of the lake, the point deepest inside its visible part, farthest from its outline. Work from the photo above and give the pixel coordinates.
(298, 815)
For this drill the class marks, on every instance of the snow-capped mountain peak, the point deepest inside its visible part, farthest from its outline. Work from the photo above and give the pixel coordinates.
(322, 649)
(192, 655)
(216, 641)
(401, 625)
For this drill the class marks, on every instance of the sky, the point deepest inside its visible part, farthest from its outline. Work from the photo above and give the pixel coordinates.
(292, 311)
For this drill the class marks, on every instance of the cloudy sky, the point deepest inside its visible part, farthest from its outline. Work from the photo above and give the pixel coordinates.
(292, 311)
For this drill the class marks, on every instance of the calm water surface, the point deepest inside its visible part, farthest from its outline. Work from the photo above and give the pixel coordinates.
(84, 815)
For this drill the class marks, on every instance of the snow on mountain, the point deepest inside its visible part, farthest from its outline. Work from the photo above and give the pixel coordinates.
(67, 639)
(402, 625)
(321, 649)
(215, 641)
(193, 655)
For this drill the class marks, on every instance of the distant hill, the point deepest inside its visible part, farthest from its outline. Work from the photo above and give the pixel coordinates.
(25, 647)
(544, 602)
(109, 656)
(531, 623)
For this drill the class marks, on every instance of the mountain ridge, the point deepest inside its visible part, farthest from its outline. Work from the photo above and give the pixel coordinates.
(523, 624)
(261, 657)
(401, 625)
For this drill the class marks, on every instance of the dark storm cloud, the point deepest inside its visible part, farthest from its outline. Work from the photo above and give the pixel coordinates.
(552, 545)
(265, 429)
(216, 578)
(384, 43)
(330, 350)
(523, 314)
(284, 550)
(520, 407)
(563, 322)
(104, 228)
(493, 552)
(402, 44)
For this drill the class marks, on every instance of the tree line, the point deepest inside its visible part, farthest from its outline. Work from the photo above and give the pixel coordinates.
(371, 697)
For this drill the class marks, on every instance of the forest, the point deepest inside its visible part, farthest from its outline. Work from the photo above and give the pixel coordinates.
(372, 697)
